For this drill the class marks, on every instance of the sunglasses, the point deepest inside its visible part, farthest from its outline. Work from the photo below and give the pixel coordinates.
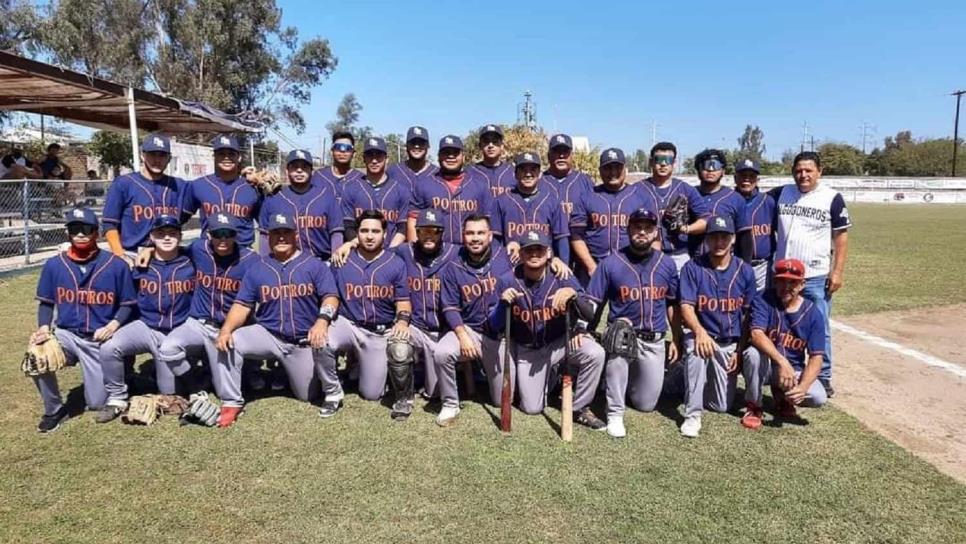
(222, 234)
(712, 165)
(663, 159)
(79, 228)
(344, 148)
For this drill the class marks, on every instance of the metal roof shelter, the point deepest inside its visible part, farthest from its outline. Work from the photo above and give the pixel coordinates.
(36, 87)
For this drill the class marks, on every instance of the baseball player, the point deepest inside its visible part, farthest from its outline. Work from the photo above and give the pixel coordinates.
(341, 171)
(455, 192)
(666, 189)
(377, 191)
(134, 200)
(375, 315)
(498, 173)
(755, 244)
(220, 265)
(417, 155)
(164, 289)
(93, 295)
(526, 207)
(598, 224)
(639, 284)
(468, 295)
(293, 297)
(425, 260)
(717, 290)
(789, 331)
(312, 201)
(225, 191)
(537, 302)
(721, 201)
(570, 184)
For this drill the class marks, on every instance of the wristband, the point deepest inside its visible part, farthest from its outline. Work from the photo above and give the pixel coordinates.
(327, 312)
(404, 316)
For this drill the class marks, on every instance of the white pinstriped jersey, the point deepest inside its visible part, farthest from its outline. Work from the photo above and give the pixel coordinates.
(804, 225)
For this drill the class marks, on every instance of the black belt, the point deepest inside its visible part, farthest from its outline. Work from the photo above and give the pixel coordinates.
(82, 334)
(725, 340)
(756, 262)
(373, 327)
(211, 323)
(650, 336)
(289, 339)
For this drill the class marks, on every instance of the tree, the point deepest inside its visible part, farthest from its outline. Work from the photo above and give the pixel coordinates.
(346, 115)
(396, 147)
(903, 155)
(751, 144)
(588, 162)
(841, 159)
(113, 149)
(521, 139)
(637, 161)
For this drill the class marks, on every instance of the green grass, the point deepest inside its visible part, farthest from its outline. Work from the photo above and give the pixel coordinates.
(284, 475)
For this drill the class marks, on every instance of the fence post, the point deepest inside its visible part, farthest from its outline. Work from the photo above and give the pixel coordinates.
(26, 222)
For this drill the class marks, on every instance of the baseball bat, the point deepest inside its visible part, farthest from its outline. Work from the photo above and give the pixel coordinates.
(506, 398)
(567, 393)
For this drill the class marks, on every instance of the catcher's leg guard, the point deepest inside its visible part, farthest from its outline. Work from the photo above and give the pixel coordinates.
(400, 361)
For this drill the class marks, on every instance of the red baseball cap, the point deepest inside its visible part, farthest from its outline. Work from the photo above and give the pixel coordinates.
(791, 269)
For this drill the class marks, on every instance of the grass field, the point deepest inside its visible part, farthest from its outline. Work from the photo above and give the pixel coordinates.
(284, 475)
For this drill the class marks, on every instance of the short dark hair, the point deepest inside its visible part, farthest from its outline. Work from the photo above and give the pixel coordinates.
(476, 217)
(343, 134)
(53, 146)
(664, 146)
(371, 214)
(808, 156)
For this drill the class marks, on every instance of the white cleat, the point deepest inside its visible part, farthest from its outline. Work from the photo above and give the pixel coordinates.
(691, 426)
(447, 416)
(615, 427)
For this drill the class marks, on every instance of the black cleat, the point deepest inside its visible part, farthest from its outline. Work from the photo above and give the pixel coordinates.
(401, 410)
(51, 423)
(108, 413)
(587, 418)
(330, 408)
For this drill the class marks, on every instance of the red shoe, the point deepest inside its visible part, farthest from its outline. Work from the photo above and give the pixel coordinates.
(752, 418)
(228, 415)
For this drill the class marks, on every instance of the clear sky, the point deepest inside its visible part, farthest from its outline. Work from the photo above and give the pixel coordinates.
(607, 69)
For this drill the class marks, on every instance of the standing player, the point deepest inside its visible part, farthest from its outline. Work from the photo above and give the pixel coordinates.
(417, 157)
(294, 299)
(526, 208)
(755, 244)
(376, 191)
(571, 185)
(717, 290)
(455, 192)
(498, 173)
(225, 191)
(667, 189)
(789, 331)
(164, 289)
(639, 284)
(134, 200)
(598, 224)
(93, 295)
(374, 291)
(340, 172)
(220, 264)
(720, 201)
(425, 260)
(537, 302)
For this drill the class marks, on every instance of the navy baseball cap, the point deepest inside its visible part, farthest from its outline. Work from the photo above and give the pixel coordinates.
(223, 221)
(298, 155)
(225, 141)
(747, 164)
(611, 155)
(83, 216)
(417, 133)
(561, 140)
(429, 218)
(165, 221)
(374, 143)
(642, 214)
(156, 142)
(720, 223)
(534, 238)
(280, 221)
(526, 158)
(451, 141)
(491, 129)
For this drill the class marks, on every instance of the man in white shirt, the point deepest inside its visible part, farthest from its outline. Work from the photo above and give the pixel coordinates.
(812, 226)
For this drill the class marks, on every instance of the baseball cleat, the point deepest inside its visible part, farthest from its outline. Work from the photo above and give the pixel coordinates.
(827, 384)
(401, 410)
(587, 418)
(108, 413)
(329, 408)
(752, 417)
(691, 427)
(615, 427)
(447, 416)
(228, 415)
(51, 423)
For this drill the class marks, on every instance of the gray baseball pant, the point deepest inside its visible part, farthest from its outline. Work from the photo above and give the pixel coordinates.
(132, 339)
(536, 370)
(77, 350)
(640, 379)
(709, 384)
(426, 343)
(762, 273)
(193, 339)
(448, 357)
(255, 342)
(761, 370)
(369, 350)
(680, 259)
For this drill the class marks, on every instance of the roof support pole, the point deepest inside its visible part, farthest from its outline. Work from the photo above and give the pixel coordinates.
(132, 119)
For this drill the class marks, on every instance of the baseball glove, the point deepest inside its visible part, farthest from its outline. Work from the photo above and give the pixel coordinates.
(201, 411)
(141, 410)
(265, 181)
(43, 358)
(676, 214)
(620, 340)
(173, 405)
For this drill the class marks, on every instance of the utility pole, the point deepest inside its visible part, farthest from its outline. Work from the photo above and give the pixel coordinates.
(804, 135)
(867, 135)
(959, 97)
(527, 112)
(653, 133)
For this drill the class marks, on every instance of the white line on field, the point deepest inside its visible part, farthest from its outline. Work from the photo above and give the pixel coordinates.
(883, 343)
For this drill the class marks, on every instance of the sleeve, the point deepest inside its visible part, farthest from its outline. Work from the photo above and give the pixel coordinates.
(688, 284)
(127, 294)
(744, 220)
(486, 200)
(191, 203)
(325, 282)
(45, 313)
(840, 214)
(418, 201)
(578, 215)
(263, 212)
(815, 341)
(497, 318)
(405, 200)
(776, 192)
(247, 293)
(562, 249)
(124, 314)
(751, 285)
(597, 288)
(673, 282)
(449, 297)
(346, 211)
(46, 291)
(257, 208)
(559, 223)
(114, 204)
(497, 218)
(696, 205)
(401, 280)
(335, 214)
(760, 312)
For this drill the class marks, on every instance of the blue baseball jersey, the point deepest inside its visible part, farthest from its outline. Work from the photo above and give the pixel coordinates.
(794, 334)
(217, 279)
(758, 217)
(533, 320)
(500, 177)
(721, 298)
(455, 202)
(391, 197)
(317, 214)
(469, 292)
(724, 202)
(86, 295)
(425, 283)
(287, 296)
(603, 215)
(369, 290)
(402, 172)
(164, 292)
(133, 201)
(697, 209)
(637, 289)
(514, 214)
(570, 189)
(237, 197)
(327, 175)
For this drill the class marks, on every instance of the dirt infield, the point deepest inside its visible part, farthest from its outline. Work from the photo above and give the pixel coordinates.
(920, 407)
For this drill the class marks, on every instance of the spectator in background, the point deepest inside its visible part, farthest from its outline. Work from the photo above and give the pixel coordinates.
(92, 174)
(15, 165)
(54, 168)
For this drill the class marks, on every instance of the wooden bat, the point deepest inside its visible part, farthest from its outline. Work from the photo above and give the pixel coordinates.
(567, 392)
(506, 399)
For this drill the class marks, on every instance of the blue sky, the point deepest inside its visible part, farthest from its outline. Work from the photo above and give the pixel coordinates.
(606, 70)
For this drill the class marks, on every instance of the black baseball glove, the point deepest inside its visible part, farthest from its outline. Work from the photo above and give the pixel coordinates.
(620, 339)
(676, 214)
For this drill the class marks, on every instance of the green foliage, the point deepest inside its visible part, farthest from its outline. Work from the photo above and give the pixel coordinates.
(905, 156)
(112, 148)
(841, 160)
(751, 144)
(637, 161)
